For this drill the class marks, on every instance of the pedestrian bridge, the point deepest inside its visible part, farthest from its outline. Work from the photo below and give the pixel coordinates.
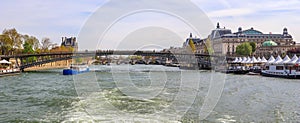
(26, 60)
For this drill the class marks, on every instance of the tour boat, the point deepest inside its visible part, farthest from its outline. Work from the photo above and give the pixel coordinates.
(286, 68)
(7, 69)
(76, 69)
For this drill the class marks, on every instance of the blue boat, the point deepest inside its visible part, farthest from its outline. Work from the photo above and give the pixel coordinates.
(76, 69)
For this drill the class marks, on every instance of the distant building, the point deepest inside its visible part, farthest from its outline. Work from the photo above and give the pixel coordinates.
(225, 42)
(294, 51)
(272, 48)
(199, 43)
(70, 42)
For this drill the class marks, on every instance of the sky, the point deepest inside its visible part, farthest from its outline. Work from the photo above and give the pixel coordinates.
(66, 18)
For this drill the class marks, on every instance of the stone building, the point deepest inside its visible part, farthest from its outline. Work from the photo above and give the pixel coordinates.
(270, 47)
(225, 42)
(199, 43)
(70, 42)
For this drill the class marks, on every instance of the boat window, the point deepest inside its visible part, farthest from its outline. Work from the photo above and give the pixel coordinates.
(279, 67)
(267, 68)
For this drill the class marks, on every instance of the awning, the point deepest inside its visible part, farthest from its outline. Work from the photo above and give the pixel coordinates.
(264, 60)
(286, 59)
(4, 62)
(271, 60)
(278, 59)
(293, 60)
(254, 60)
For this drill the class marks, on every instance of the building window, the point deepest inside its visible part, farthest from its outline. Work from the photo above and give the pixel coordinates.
(228, 48)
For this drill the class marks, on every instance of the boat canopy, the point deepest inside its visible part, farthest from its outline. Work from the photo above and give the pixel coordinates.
(258, 59)
(278, 59)
(264, 60)
(298, 61)
(293, 60)
(235, 60)
(244, 60)
(4, 62)
(286, 59)
(254, 60)
(240, 60)
(248, 60)
(271, 59)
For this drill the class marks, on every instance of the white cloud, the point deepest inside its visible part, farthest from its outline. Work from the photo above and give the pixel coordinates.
(58, 18)
(231, 12)
(51, 19)
(267, 16)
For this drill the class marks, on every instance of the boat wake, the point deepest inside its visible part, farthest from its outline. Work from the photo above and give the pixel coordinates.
(113, 106)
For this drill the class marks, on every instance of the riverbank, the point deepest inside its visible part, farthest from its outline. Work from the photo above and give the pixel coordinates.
(44, 68)
(53, 65)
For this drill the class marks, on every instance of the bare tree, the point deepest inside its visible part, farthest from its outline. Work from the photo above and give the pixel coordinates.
(14, 36)
(46, 44)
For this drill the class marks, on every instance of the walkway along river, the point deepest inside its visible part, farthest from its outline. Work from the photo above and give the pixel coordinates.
(48, 96)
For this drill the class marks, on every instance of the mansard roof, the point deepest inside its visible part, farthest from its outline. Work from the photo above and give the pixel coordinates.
(251, 32)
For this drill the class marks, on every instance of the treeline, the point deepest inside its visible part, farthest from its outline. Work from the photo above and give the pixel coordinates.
(12, 42)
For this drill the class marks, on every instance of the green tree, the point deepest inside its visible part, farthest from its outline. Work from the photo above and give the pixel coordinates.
(28, 48)
(244, 49)
(253, 45)
(33, 41)
(78, 60)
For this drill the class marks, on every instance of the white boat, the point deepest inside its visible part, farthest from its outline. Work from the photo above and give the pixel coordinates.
(282, 68)
(7, 69)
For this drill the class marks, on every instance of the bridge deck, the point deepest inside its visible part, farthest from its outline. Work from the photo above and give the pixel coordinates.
(59, 56)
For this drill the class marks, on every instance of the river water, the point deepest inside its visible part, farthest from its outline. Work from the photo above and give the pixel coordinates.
(146, 93)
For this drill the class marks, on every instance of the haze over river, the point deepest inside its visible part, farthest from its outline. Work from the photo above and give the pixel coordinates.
(145, 93)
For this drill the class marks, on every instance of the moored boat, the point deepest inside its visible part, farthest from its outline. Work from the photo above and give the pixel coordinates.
(76, 69)
(7, 69)
(286, 68)
(244, 65)
(8, 72)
